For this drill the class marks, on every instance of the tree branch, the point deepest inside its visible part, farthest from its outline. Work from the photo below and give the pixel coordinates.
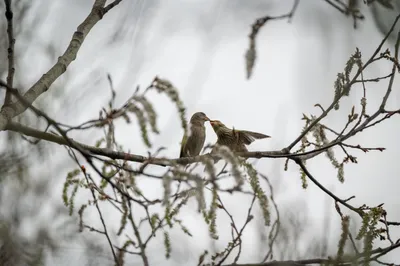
(31, 132)
(348, 261)
(28, 131)
(10, 50)
(44, 83)
(336, 198)
(95, 201)
(251, 52)
(325, 113)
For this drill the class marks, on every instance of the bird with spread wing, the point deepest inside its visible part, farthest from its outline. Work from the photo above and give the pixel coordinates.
(235, 140)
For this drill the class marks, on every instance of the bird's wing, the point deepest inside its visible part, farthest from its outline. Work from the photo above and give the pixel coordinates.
(183, 144)
(248, 137)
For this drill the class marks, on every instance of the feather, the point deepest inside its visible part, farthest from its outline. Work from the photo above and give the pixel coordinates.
(247, 137)
(236, 140)
(193, 143)
(183, 146)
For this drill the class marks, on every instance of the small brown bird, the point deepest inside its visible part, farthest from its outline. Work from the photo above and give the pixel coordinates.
(193, 141)
(234, 139)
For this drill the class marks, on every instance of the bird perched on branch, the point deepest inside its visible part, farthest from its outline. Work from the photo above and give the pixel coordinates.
(193, 141)
(235, 140)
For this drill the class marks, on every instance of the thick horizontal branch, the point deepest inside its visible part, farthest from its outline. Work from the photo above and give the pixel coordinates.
(284, 263)
(349, 259)
(28, 131)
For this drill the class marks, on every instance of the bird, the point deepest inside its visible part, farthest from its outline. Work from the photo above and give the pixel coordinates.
(193, 141)
(235, 140)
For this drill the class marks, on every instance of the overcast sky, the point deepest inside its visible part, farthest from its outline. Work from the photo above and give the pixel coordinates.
(199, 46)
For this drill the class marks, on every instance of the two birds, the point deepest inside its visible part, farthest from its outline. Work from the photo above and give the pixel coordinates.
(236, 140)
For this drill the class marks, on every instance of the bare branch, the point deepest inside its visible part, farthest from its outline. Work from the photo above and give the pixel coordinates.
(371, 59)
(251, 53)
(13, 126)
(336, 198)
(347, 9)
(142, 246)
(10, 51)
(111, 5)
(44, 83)
(379, 251)
(105, 232)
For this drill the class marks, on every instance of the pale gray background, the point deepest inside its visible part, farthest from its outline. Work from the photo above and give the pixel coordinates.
(199, 46)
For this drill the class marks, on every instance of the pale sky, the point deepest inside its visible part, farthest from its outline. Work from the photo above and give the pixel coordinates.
(199, 46)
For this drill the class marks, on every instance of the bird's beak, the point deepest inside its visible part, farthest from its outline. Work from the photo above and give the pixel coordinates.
(208, 119)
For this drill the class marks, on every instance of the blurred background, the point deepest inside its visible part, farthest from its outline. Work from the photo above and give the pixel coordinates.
(199, 46)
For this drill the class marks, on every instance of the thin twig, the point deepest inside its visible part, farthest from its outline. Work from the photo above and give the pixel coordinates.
(333, 104)
(105, 232)
(10, 51)
(44, 83)
(276, 225)
(251, 53)
(142, 246)
(311, 177)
